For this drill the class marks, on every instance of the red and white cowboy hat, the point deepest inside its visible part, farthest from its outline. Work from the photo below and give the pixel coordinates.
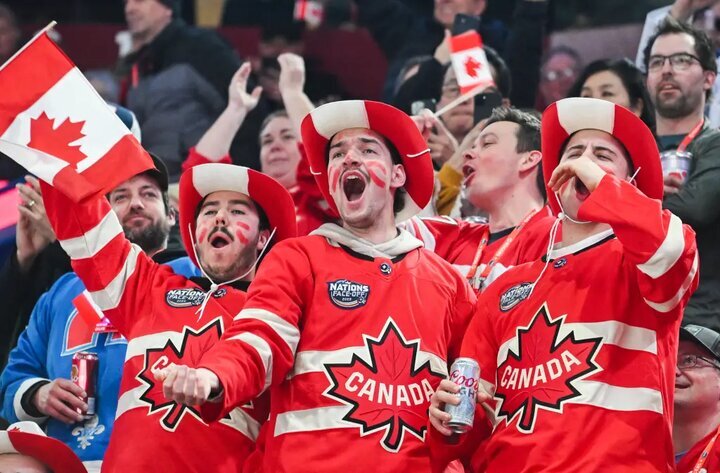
(199, 181)
(26, 438)
(565, 117)
(320, 125)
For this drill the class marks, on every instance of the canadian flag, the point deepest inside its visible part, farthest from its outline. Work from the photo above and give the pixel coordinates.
(309, 11)
(87, 309)
(469, 62)
(55, 125)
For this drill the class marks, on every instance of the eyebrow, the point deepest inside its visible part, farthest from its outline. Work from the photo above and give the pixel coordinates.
(360, 138)
(284, 130)
(213, 203)
(595, 148)
(489, 134)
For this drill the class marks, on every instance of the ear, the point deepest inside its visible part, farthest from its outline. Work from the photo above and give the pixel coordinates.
(530, 160)
(480, 6)
(709, 80)
(397, 176)
(262, 239)
(171, 216)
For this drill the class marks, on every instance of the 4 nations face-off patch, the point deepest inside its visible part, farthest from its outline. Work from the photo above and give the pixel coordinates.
(387, 392)
(544, 370)
(347, 294)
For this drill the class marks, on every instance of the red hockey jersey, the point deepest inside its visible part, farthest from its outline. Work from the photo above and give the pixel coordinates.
(583, 366)
(457, 242)
(156, 310)
(352, 339)
(711, 464)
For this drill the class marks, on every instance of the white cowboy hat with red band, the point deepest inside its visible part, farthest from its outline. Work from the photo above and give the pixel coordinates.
(568, 116)
(26, 438)
(320, 125)
(199, 181)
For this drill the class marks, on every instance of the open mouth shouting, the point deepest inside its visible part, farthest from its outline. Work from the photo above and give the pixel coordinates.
(220, 238)
(354, 184)
(581, 191)
(468, 174)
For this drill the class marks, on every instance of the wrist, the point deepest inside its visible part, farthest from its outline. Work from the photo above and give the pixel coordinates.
(25, 261)
(235, 112)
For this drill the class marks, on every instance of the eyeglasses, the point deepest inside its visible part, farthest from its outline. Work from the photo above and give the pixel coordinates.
(552, 76)
(686, 362)
(678, 62)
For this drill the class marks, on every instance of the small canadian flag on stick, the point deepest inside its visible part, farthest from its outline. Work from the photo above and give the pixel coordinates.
(55, 125)
(469, 62)
(309, 11)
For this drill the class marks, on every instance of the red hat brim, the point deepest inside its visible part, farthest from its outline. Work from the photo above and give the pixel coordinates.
(320, 125)
(204, 179)
(565, 117)
(51, 452)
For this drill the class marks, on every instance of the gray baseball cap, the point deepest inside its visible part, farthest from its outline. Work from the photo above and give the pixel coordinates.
(703, 336)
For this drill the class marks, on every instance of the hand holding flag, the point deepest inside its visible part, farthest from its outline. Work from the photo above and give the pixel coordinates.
(55, 125)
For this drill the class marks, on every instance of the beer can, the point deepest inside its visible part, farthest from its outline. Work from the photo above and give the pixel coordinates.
(676, 163)
(466, 373)
(84, 373)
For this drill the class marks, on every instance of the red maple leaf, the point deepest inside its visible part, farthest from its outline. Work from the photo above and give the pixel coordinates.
(56, 141)
(542, 373)
(471, 66)
(387, 393)
(193, 345)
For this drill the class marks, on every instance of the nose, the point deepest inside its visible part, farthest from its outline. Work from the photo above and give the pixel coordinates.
(678, 373)
(352, 157)
(221, 218)
(136, 202)
(469, 155)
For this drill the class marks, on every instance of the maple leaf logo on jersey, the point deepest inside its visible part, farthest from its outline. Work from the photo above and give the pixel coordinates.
(56, 140)
(471, 66)
(388, 392)
(193, 345)
(544, 371)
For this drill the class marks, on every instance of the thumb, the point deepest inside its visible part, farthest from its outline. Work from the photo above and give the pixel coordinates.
(255, 94)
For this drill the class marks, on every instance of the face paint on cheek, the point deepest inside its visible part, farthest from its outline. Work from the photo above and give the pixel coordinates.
(203, 234)
(377, 173)
(334, 176)
(241, 232)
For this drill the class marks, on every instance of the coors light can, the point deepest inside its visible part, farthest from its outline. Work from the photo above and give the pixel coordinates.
(466, 373)
(84, 373)
(676, 163)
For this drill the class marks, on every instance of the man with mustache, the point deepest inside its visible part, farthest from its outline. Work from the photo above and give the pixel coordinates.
(229, 216)
(681, 69)
(352, 326)
(36, 385)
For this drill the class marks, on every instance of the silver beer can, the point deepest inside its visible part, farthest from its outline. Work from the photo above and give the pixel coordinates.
(676, 163)
(466, 373)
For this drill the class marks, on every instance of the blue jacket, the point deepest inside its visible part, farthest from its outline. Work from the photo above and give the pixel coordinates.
(44, 352)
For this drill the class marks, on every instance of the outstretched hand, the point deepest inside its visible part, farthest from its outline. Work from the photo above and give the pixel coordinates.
(292, 73)
(184, 385)
(238, 97)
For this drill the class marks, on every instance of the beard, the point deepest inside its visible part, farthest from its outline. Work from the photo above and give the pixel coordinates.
(679, 107)
(149, 238)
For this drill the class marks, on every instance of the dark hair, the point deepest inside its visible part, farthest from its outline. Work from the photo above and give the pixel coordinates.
(528, 135)
(565, 51)
(502, 72)
(631, 78)
(704, 49)
(409, 64)
(271, 117)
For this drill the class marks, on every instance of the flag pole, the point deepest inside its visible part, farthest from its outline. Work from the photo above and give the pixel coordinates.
(466, 96)
(49, 26)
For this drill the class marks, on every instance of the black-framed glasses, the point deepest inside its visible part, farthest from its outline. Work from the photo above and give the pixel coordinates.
(690, 361)
(678, 61)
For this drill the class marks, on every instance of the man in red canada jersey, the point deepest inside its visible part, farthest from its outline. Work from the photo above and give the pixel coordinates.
(578, 348)
(503, 177)
(228, 215)
(352, 327)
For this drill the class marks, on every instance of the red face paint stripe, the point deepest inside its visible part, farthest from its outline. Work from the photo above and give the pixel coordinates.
(203, 234)
(241, 237)
(334, 179)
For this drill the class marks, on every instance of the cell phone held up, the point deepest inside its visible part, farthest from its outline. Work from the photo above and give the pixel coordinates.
(464, 23)
(484, 105)
(419, 105)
